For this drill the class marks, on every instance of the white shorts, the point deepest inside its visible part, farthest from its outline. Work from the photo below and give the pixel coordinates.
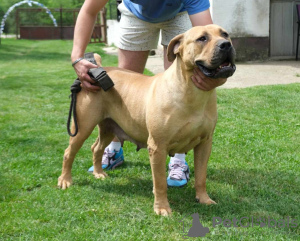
(139, 35)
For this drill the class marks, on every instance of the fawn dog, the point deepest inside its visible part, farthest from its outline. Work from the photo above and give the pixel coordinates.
(165, 113)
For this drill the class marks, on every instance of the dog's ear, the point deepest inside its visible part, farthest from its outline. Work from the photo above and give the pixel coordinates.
(173, 47)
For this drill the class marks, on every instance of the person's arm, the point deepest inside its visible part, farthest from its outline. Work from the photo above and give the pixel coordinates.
(82, 34)
(201, 19)
(199, 79)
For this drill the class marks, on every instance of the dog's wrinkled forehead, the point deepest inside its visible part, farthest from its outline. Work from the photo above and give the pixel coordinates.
(211, 31)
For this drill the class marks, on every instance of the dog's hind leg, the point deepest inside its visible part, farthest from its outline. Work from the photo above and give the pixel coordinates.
(103, 140)
(75, 143)
(201, 156)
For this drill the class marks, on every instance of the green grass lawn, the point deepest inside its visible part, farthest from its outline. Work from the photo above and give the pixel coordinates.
(253, 170)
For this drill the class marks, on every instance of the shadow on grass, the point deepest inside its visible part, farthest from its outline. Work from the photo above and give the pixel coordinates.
(10, 53)
(237, 192)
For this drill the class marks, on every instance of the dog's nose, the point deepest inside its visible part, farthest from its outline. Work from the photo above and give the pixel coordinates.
(224, 45)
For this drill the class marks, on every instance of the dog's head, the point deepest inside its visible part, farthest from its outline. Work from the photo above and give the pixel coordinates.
(208, 48)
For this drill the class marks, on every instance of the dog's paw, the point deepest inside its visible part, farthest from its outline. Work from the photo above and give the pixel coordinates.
(64, 182)
(205, 199)
(163, 211)
(101, 175)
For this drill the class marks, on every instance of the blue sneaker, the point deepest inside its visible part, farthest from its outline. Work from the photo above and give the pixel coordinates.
(179, 173)
(110, 160)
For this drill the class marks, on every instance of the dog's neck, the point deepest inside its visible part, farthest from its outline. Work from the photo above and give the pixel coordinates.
(180, 85)
(183, 76)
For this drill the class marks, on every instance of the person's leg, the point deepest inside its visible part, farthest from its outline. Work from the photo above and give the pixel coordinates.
(178, 167)
(137, 38)
(133, 60)
(170, 29)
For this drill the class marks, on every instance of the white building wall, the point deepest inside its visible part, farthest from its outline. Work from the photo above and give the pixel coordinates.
(242, 18)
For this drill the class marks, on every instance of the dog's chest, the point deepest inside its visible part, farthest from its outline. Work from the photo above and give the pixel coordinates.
(190, 133)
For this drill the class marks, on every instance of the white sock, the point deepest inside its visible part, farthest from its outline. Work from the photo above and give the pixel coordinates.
(180, 156)
(114, 146)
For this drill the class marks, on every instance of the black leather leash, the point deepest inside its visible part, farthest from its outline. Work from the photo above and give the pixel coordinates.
(101, 79)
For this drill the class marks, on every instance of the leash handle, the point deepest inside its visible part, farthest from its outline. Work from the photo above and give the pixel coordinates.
(72, 109)
(75, 88)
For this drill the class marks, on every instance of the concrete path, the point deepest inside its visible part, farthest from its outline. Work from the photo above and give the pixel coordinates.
(247, 74)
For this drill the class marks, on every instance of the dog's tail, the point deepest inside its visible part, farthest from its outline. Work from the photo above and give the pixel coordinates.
(98, 59)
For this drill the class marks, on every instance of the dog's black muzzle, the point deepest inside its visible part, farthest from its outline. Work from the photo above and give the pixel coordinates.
(222, 63)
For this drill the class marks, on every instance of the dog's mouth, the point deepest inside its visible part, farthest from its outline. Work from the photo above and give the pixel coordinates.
(223, 70)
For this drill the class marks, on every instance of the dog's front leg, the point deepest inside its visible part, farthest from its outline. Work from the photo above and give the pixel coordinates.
(201, 156)
(158, 157)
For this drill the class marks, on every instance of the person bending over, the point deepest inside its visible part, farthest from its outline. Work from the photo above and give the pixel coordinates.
(140, 25)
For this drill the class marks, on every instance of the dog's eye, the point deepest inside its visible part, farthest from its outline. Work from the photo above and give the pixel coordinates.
(225, 35)
(202, 39)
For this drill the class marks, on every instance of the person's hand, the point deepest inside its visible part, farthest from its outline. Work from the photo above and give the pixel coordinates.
(205, 83)
(81, 69)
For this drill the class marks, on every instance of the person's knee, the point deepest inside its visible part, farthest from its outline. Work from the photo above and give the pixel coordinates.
(133, 60)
